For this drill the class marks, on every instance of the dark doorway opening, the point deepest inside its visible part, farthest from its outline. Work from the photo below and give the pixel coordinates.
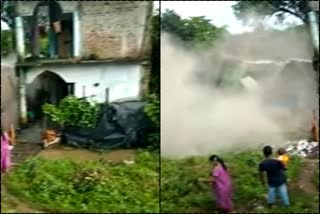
(48, 87)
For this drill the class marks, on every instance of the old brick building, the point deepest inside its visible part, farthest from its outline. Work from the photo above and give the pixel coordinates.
(94, 49)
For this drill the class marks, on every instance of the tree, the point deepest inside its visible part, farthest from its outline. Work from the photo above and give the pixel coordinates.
(7, 12)
(194, 31)
(265, 9)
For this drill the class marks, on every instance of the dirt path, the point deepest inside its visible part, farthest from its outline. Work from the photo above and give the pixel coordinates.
(306, 174)
(24, 150)
(12, 204)
(78, 155)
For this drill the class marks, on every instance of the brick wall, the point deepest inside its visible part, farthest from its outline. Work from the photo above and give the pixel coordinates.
(113, 29)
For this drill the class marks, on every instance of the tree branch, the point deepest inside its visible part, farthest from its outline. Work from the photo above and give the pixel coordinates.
(285, 10)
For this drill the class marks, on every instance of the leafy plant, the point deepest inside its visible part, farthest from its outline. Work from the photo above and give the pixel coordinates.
(74, 112)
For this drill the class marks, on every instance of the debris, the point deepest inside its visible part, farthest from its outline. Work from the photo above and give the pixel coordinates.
(249, 83)
(302, 148)
(260, 207)
(128, 162)
(50, 137)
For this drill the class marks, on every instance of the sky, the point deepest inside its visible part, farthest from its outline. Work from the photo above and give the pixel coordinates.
(219, 12)
(4, 25)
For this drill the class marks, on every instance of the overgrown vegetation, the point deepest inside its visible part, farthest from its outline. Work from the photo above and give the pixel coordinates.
(6, 42)
(74, 112)
(99, 187)
(180, 191)
(152, 109)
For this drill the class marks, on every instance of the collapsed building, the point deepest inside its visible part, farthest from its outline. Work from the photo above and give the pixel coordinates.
(286, 89)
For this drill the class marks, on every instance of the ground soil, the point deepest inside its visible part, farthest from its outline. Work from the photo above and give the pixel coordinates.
(65, 152)
(304, 181)
(17, 206)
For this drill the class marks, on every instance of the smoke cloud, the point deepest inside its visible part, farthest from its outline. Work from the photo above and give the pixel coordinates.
(200, 118)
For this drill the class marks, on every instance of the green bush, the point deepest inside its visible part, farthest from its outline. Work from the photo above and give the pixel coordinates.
(72, 111)
(95, 186)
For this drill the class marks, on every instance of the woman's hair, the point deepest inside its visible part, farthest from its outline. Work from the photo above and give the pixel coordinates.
(219, 160)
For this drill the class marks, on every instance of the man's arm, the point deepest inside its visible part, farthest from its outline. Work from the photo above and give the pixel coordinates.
(261, 174)
(262, 178)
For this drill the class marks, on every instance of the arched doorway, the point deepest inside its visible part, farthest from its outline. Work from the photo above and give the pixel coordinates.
(48, 87)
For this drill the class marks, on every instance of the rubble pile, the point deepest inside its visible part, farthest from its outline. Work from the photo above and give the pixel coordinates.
(303, 148)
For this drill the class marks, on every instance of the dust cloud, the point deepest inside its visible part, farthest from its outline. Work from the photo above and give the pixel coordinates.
(200, 118)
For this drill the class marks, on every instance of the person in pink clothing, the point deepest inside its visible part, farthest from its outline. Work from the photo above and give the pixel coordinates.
(5, 152)
(221, 183)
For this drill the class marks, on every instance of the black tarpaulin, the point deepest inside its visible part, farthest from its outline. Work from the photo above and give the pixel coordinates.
(121, 124)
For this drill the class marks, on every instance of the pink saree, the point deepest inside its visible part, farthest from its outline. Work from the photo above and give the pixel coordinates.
(5, 153)
(222, 188)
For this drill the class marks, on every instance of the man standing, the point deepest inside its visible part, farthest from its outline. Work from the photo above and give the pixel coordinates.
(275, 176)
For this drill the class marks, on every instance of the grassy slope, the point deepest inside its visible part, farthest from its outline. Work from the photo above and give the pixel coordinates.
(181, 193)
(64, 186)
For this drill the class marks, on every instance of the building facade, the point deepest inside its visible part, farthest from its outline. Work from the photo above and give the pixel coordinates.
(95, 49)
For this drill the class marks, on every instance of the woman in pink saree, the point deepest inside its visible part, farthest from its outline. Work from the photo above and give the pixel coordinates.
(221, 183)
(5, 152)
